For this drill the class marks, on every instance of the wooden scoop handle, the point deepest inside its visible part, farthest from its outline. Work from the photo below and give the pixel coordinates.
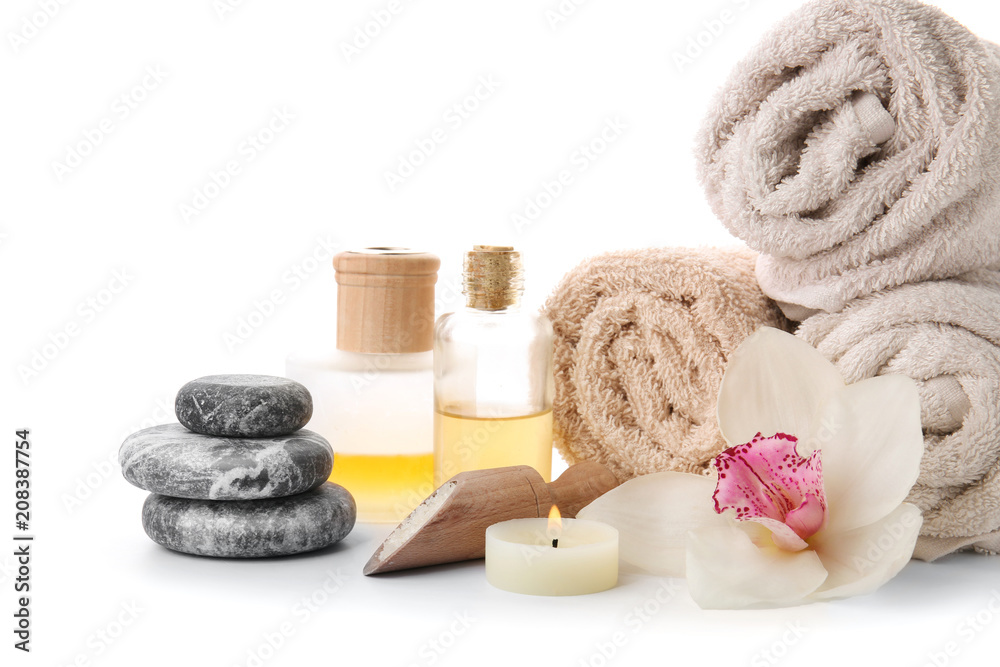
(580, 485)
(499, 491)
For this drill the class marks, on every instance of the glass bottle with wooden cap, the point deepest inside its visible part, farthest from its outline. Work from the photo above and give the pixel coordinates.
(493, 380)
(372, 397)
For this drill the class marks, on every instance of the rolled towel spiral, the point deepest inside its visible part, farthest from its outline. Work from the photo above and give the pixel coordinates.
(642, 339)
(857, 148)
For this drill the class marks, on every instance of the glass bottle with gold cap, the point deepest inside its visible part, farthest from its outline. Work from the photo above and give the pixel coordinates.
(372, 396)
(493, 380)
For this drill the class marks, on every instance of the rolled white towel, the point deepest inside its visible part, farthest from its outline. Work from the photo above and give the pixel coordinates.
(858, 148)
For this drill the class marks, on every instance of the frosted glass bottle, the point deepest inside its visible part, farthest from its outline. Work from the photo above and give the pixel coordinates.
(493, 381)
(373, 395)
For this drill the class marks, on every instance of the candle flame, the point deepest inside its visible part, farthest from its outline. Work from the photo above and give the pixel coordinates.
(555, 522)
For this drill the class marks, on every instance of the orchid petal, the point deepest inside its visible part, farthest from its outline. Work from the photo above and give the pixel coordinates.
(774, 383)
(807, 518)
(766, 479)
(861, 560)
(872, 442)
(725, 570)
(781, 534)
(653, 515)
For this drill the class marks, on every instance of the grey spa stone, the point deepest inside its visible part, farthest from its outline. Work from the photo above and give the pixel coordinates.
(251, 528)
(243, 406)
(171, 460)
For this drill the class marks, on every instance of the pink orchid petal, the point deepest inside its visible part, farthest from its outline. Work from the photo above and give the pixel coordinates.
(807, 518)
(767, 481)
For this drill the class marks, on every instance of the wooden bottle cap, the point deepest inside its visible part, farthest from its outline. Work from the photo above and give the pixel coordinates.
(385, 300)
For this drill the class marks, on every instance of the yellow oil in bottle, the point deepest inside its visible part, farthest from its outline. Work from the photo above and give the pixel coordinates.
(386, 487)
(474, 443)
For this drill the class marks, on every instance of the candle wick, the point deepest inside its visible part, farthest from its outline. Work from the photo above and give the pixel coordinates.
(555, 543)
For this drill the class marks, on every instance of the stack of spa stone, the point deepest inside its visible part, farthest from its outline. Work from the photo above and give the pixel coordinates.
(238, 477)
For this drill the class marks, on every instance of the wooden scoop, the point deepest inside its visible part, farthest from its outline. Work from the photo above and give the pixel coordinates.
(451, 524)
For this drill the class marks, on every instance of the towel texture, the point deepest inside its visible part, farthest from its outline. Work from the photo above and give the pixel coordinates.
(858, 148)
(945, 335)
(641, 341)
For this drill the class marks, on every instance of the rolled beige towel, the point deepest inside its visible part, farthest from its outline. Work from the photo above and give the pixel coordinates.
(945, 335)
(641, 342)
(857, 148)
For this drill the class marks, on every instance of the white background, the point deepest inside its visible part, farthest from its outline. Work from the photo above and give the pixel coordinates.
(184, 285)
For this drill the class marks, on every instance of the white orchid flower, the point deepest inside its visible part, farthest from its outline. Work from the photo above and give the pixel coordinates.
(810, 510)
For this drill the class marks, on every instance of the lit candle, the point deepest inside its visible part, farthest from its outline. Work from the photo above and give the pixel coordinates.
(552, 557)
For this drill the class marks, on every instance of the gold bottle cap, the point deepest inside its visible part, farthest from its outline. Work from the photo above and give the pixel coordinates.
(494, 277)
(385, 300)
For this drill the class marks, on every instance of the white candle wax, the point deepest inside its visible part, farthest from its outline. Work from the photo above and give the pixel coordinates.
(520, 557)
